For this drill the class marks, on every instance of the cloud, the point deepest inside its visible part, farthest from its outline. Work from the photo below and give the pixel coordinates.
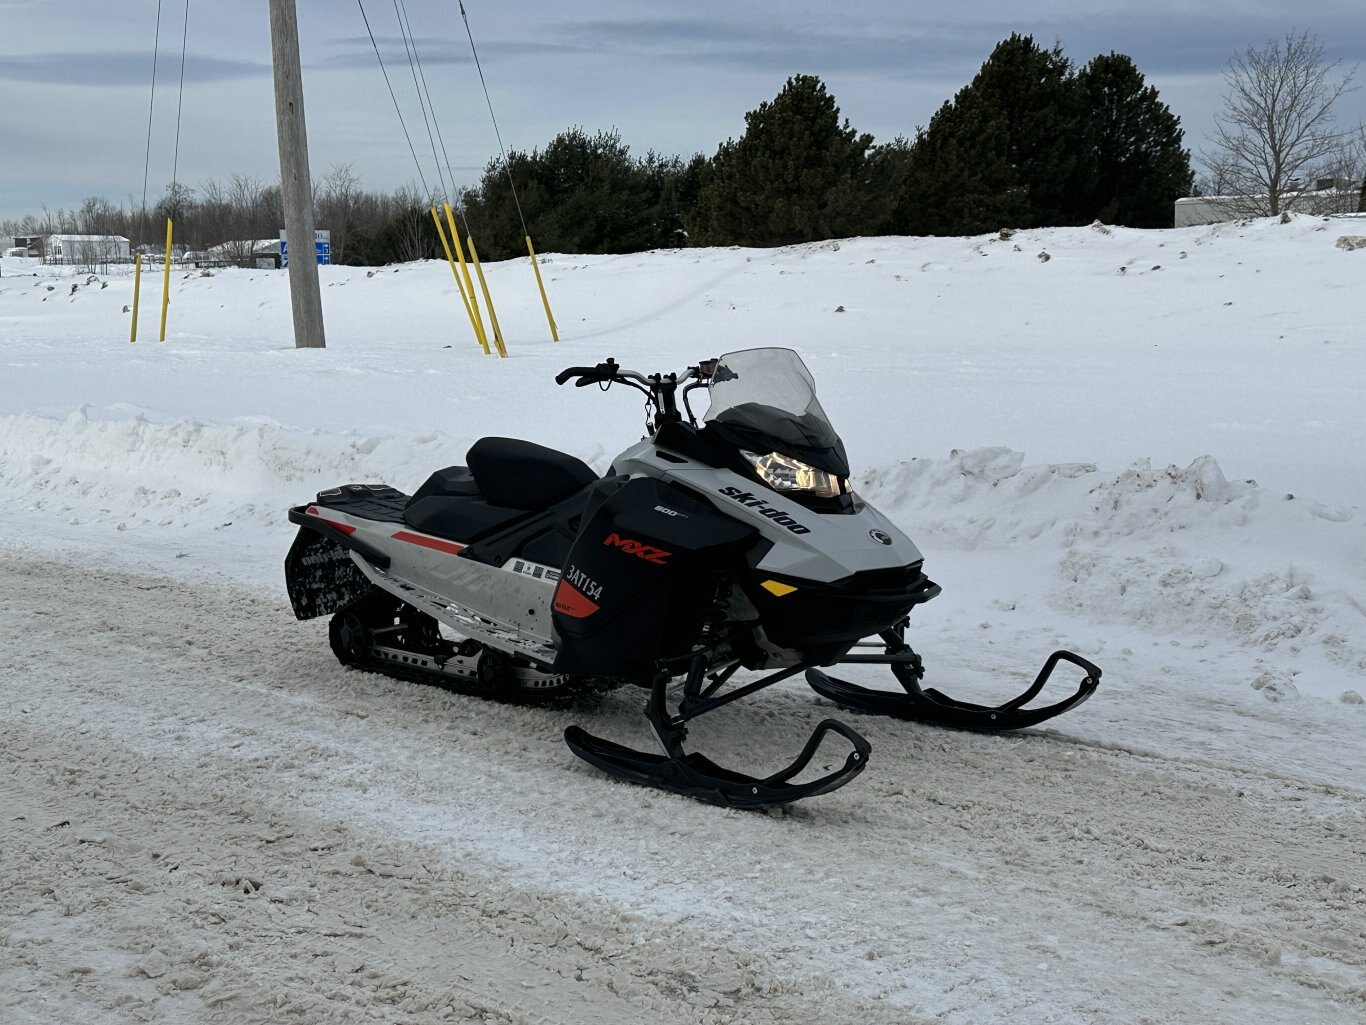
(920, 48)
(759, 45)
(119, 69)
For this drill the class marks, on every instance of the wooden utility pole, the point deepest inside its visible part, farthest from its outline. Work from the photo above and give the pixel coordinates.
(296, 187)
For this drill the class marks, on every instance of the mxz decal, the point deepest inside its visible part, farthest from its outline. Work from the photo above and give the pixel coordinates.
(640, 551)
(778, 516)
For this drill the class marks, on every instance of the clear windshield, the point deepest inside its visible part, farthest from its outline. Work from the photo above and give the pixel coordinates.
(770, 392)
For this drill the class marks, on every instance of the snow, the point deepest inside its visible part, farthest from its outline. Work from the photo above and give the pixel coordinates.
(1142, 445)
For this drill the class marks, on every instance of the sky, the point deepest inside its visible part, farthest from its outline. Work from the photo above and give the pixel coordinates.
(76, 77)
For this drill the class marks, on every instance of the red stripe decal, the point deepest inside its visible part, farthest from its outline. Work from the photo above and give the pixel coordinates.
(449, 547)
(345, 528)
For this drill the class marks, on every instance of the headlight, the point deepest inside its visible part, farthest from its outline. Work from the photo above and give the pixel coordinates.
(783, 473)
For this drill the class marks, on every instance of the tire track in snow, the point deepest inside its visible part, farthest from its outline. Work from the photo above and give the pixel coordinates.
(349, 848)
(175, 851)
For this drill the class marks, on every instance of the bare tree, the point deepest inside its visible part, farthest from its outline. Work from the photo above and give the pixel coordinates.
(1351, 169)
(1343, 178)
(1361, 167)
(233, 217)
(213, 217)
(252, 220)
(409, 231)
(177, 204)
(1276, 130)
(100, 221)
(336, 201)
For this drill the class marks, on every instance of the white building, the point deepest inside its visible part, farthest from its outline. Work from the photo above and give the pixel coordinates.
(1331, 197)
(86, 250)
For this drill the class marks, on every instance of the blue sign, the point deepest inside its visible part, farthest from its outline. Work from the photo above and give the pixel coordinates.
(322, 248)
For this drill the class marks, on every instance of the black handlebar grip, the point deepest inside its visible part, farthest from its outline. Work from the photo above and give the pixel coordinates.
(590, 375)
(567, 373)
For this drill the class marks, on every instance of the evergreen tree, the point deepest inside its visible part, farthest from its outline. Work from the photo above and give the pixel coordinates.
(1003, 152)
(885, 174)
(581, 194)
(958, 180)
(1140, 168)
(796, 175)
(490, 211)
(672, 187)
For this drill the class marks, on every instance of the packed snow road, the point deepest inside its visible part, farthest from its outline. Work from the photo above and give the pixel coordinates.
(206, 819)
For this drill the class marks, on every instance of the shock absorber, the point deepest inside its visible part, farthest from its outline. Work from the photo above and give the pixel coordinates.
(713, 614)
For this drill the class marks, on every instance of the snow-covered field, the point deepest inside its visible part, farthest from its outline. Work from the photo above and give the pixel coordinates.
(1143, 445)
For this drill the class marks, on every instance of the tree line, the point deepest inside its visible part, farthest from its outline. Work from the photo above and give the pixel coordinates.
(1032, 141)
(231, 216)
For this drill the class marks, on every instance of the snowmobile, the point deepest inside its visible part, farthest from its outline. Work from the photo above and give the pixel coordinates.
(710, 546)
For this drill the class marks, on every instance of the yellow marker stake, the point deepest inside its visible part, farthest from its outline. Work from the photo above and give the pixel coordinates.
(484, 285)
(166, 282)
(554, 332)
(137, 286)
(478, 336)
(469, 283)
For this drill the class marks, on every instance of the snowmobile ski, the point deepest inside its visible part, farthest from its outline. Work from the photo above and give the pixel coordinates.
(919, 704)
(695, 775)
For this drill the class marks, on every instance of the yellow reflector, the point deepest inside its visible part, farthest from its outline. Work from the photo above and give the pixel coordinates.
(777, 589)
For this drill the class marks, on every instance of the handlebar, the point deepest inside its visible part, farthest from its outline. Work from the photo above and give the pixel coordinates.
(659, 389)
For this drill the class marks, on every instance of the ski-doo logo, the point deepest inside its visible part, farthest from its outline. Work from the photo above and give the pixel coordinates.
(640, 551)
(778, 516)
(336, 553)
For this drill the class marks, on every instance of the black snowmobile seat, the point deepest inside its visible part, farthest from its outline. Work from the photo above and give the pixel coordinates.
(523, 475)
(453, 481)
(449, 505)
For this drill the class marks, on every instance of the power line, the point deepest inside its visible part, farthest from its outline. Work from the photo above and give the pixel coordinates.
(497, 134)
(180, 102)
(147, 160)
(410, 48)
(431, 106)
(398, 110)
